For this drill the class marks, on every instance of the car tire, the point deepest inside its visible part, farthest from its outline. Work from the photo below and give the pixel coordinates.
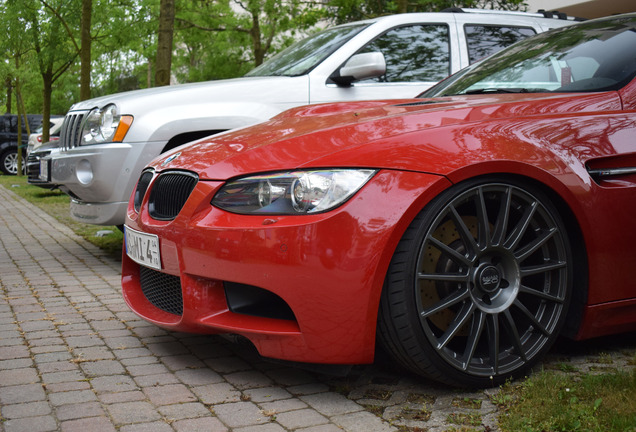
(479, 286)
(9, 162)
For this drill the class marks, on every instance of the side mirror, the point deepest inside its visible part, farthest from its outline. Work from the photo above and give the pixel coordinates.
(359, 67)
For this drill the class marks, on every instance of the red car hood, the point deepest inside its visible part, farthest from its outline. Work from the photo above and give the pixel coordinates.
(310, 136)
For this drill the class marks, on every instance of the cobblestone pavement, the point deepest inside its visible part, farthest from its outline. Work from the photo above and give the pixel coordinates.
(74, 358)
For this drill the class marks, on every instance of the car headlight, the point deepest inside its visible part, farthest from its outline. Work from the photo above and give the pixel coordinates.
(292, 193)
(104, 125)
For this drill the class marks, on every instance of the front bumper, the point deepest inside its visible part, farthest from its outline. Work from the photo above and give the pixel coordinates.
(100, 178)
(300, 288)
(110, 213)
(33, 169)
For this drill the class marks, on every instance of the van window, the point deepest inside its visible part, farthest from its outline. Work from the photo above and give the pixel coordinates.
(484, 40)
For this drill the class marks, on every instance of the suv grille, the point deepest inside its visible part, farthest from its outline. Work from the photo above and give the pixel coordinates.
(162, 290)
(170, 193)
(71, 130)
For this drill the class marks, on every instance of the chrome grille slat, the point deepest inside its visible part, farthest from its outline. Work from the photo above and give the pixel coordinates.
(71, 130)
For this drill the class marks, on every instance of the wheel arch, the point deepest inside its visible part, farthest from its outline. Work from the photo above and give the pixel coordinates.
(187, 137)
(7, 145)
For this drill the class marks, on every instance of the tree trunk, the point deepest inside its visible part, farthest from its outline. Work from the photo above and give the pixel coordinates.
(21, 115)
(402, 6)
(164, 43)
(149, 74)
(47, 91)
(9, 92)
(255, 34)
(85, 53)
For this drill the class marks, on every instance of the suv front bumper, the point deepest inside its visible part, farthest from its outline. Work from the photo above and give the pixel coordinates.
(111, 213)
(101, 178)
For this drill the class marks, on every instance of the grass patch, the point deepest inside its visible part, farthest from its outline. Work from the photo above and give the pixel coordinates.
(466, 419)
(421, 414)
(549, 401)
(374, 409)
(466, 403)
(463, 429)
(382, 395)
(420, 399)
(56, 204)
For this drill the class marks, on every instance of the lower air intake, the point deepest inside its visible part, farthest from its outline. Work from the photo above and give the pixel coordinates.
(162, 290)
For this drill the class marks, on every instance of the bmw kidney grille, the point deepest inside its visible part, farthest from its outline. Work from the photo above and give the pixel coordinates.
(169, 194)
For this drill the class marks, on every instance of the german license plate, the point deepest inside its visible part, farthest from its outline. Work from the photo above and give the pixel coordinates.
(142, 248)
(44, 170)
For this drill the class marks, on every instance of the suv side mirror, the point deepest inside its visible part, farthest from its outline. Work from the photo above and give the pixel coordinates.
(359, 67)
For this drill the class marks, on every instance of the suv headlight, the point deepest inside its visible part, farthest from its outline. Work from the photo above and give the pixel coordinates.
(291, 193)
(105, 125)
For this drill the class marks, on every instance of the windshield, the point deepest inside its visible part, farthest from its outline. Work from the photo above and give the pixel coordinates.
(306, 54)
(588, 57)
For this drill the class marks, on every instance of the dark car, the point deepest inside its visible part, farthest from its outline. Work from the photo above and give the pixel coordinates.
(9, 140)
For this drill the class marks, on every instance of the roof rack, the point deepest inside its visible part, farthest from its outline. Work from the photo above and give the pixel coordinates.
(539, 14)
(553, 14)
(559, 15)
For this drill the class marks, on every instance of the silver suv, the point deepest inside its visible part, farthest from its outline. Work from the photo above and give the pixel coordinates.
(106, 142)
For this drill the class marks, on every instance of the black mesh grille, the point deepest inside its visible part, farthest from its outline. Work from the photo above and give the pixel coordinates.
(162, 290)
(71, 130)
(169, 194)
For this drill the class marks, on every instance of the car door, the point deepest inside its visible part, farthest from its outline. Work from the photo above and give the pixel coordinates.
(417, 55)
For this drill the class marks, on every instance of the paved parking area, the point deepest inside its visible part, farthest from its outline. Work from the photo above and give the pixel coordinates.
(74, 358)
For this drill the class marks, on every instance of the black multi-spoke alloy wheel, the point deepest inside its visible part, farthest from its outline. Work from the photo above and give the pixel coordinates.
(479, 286)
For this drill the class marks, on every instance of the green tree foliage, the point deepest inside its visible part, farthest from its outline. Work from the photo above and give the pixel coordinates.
(53, 52)
(18, 64)
(227, 38)
(124, 45)
(37, 41)
(212, 39)
(204, 48)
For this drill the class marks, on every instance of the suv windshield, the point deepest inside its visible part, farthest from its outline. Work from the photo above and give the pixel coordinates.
(594, 56)
(306, 54)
